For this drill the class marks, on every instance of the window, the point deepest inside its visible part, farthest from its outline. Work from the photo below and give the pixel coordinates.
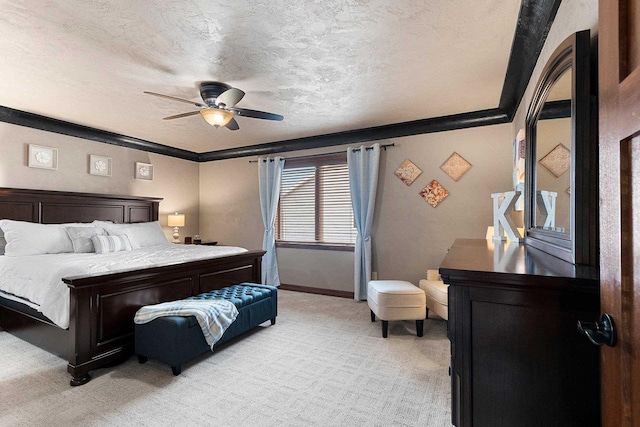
(315, 203)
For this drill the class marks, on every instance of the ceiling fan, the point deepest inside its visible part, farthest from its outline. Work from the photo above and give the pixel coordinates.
(219, 106)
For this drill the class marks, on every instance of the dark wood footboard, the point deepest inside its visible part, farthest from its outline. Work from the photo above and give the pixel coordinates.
(102, 307)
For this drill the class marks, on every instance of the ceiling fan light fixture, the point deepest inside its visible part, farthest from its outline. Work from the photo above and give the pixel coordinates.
(216, 116)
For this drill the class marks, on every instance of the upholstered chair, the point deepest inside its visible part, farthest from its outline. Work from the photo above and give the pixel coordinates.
(437, 294)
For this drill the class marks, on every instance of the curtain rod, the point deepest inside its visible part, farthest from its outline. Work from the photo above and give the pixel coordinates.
(384, 147)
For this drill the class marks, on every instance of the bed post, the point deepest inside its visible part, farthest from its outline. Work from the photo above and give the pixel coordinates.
(257, 270)
(80, 323)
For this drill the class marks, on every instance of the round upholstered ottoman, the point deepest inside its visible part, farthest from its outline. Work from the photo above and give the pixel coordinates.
(396, 300)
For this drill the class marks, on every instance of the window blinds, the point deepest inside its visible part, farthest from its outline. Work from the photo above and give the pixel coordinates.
(315, 202)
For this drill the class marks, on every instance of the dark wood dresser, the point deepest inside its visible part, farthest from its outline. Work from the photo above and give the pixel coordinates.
(517, 358)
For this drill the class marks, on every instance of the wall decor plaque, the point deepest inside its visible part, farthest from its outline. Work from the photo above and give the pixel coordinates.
(408, 172)
(434, 193)
(557, 161)
(455, 166)
(42, 157)
(144, 171)
(100, 165)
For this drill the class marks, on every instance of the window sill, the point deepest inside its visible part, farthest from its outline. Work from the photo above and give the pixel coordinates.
(316, 245)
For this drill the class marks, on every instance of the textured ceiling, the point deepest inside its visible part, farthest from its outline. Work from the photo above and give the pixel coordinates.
(327, 66)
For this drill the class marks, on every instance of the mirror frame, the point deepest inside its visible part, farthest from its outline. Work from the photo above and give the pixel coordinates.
(580, 246)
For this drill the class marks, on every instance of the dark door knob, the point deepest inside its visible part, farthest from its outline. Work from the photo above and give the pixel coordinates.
(599, 333)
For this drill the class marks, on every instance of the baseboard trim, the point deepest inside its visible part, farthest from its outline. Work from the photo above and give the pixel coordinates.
(318, 291)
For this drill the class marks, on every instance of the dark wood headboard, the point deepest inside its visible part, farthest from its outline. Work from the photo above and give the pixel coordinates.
(56, 207)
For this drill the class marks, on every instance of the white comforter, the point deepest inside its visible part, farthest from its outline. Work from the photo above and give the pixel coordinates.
(38, 278)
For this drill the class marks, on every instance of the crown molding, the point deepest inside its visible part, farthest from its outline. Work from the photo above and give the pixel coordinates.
(36, 121)
(556, 110)
(534, 21)
(397, 130)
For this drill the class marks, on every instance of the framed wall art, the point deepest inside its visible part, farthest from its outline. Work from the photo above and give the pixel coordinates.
(42, 157)
(434, 193)
(455, 166)
(144, 171)
(557, 161)
(100, 165)
(408, 172)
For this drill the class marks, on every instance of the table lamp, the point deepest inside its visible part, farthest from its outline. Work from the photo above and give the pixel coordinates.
(176, 220)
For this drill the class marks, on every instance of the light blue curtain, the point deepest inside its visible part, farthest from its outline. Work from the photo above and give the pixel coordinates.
(270, 176)
(363, 181)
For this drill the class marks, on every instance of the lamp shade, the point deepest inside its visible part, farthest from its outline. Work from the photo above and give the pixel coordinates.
(216, 116)
(176, 220)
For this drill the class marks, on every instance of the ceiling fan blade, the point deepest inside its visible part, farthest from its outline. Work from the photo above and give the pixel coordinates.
(233, 125)
(243, 112)
(197, 104)
(230, 97)
(177, 116)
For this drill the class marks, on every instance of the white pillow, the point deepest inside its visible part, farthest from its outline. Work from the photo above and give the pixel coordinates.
(141, 234)
(29, 238)
(73, 224)
(81, 238)
(104, 244)
(109, 226)
(100, 223)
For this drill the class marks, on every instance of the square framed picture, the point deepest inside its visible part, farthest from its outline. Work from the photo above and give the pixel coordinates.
(99, 165)
(557, 161)
(455, 166)
(43, 157)
(144, 171)
(434, 193)
(408, 172)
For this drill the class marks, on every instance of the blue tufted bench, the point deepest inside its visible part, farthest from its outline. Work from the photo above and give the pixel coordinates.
(175, 339)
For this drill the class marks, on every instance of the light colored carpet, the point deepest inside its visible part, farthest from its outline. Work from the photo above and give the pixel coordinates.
(324, 363)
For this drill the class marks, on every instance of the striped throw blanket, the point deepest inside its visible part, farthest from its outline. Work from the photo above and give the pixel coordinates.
(214, 316)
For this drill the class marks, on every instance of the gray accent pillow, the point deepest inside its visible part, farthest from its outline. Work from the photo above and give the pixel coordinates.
(81, 238)
(140, 234)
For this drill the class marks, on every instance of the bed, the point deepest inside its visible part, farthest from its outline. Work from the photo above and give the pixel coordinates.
(102, 306)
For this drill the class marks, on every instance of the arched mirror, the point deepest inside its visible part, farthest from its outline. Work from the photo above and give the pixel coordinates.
(561, 171)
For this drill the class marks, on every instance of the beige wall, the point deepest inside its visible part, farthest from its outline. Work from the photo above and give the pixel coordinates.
(230, 203)
(175, 180)
(410, 235)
